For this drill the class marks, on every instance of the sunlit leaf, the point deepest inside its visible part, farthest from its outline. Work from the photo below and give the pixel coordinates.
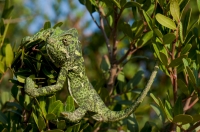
(9, 55)
(147, 36)
(41, 123)
(165, 21)
(169, 38)
(56, 107)
(175, 10)
(70, 104)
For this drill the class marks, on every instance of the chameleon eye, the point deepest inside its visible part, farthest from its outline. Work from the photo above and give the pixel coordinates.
(65, 42)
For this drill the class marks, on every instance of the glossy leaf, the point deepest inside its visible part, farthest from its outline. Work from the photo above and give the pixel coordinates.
(175, 10)
(165, 21)
(183, 119)
(168, 38)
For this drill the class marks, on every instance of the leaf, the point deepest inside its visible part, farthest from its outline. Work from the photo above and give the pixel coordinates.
(2, 67)
(61, 124)
(55, 130)
(186, 21)
(159, 113)
(164, 59)
(47, 25)
(147, 36)
(183, 87)
(9, 55)
(121, 77)
(116, 3)
(132, 124)
(183, 119)
(147, 127)
(70, 104)
(195, 118)
(59, 24)
(191, 75)
(198, 57)
(3, 118)
(135, 80)
(154, 98)
(56, 107)
(132, 4)
(126, 28)
(41, 123)
(168, 38)
(158, 32)
(186, 49)
(178, 107)
(198, 4)
(165, 21)
(167, 114)
(175, 10)
(148, 19)
(177, 61)
(51, 116)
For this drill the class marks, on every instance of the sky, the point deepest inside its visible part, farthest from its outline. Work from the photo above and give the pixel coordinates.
(45, 8)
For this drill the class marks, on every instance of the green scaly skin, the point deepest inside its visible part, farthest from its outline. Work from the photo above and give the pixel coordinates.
(64, 49)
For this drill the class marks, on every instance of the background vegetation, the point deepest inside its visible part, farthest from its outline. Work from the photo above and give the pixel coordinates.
(121, 41)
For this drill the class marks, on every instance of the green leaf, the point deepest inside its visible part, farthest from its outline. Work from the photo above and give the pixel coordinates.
(183, 87)
(168, 38)
(59, 24)
(51, 116)
(186, 49)
(186, 21)
(41, 123)
(148, 20)
(178, 107)
(9, 55)
(116, 3)
(56, 107)
(61, 124)
(183, 119)
(132, 4)
(70, 104)
(154, 98)
(2, 67)
(175, 10)
(191, 75)
(167, 114)
(198, 57)
(147, 36)
(47, 25)
(132, 123)
(195, 118)
(177, 61)
(159, 113)
(121, 77)
(3, 118)
(126, 28)
(198, 4)
(147, 127)
(164, 59)
(165, 21)
(158, 32)
(135, 80)
(55, 130)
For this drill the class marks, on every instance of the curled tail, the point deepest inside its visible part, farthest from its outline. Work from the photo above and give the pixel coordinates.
(110, 116)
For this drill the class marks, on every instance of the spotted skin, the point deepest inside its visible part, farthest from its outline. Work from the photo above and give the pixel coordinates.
(64, 50)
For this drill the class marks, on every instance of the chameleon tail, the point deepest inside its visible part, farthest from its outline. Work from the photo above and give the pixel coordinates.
(118, 115)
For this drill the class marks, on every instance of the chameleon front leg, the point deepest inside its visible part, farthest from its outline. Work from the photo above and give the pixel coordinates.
(47, 90)
(74, 116)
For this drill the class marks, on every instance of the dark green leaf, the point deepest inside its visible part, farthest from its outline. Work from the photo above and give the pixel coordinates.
(186, 49)
(167, 113)
(148, 20)
(183, 87)
(6, 12)
(198, 57)
(3, 118)
(147, 127)
(168, 38)
(135, 80)
(183, 119)
(51, 116)
(55, 130)
(132, 4)
(126, 28)
(14, 91)
(132, 123)
(178, 107)
(183, 4)
(177, 61)
(191, 75)
(195, 118)
(158, 112)
(59, 24)
(158, 32)
(165, 21)
(198, 4)
(61, 124)
(14, 104)
(164, 59)
(186, 21)
(47, 25)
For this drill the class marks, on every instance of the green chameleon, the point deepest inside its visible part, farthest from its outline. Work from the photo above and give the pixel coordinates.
(64, 50)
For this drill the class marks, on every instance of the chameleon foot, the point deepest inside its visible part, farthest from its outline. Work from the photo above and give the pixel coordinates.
(29, 87)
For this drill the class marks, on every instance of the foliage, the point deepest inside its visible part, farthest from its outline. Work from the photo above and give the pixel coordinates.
(132, 32)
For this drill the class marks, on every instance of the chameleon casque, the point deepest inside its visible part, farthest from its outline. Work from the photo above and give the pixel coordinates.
(64, 50)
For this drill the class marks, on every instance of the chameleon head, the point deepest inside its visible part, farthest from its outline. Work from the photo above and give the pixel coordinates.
(63, 47)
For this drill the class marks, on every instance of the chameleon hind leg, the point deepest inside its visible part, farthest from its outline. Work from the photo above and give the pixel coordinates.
(74, 116)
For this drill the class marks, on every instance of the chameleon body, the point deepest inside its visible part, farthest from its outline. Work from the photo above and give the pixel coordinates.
(64, 50)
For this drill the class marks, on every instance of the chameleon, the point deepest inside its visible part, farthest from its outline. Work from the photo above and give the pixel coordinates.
(64, 50)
